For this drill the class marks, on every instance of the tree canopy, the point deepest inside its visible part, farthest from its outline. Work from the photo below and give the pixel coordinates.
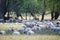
(29, 6)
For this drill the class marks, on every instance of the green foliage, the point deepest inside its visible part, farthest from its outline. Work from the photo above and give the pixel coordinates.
(33, 6)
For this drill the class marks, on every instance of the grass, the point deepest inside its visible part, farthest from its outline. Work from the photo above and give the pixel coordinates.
(7, 25)
(30, 37)
(41, 35)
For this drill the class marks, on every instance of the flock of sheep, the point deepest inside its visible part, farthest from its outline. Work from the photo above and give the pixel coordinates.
(32, 25)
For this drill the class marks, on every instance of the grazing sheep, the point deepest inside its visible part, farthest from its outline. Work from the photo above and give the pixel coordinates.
(16, 33)
(30, 32)
(2, 32)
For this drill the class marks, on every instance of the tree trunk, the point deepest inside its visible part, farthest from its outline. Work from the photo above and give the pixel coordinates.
(52, 15)
(2, 8)
(56, 15)
(21, 17)
(43, 16)
(26, 15)
(33, 15)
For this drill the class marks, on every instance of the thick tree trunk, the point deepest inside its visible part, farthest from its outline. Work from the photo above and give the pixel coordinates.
(26, 15)
(2, 8)
(33, 16)
(56, 15)
(52, 15)
(43, 16)
(21, 17)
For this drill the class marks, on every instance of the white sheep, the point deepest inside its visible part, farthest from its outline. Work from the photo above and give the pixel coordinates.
(42, 26)
(30, 32)
(27, 29)
(50, 24)
(55, 28)
(34, 28)
(21, 29)
(10, 29)
(39, 28)
(16, 33)
(2, 32)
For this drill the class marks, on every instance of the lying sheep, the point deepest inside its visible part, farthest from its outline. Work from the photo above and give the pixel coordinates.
(16, 33)
(10, 29)
(36, 28)
(30, 32)
(50, 24)
(55, 28)
(27, 29)
(21, 29)
(2, 32)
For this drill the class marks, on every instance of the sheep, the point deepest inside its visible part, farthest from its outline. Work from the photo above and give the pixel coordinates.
(51, 26)
(55, 28)
(36, 28)
(42, 26)
(10, 29)
(55, 22)
(16, 32)
(2, 32)
(30, 23)
(30, 32)
(39, 22)
(27, 29)
(47, 20)
(21, 29)
(39, 28)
